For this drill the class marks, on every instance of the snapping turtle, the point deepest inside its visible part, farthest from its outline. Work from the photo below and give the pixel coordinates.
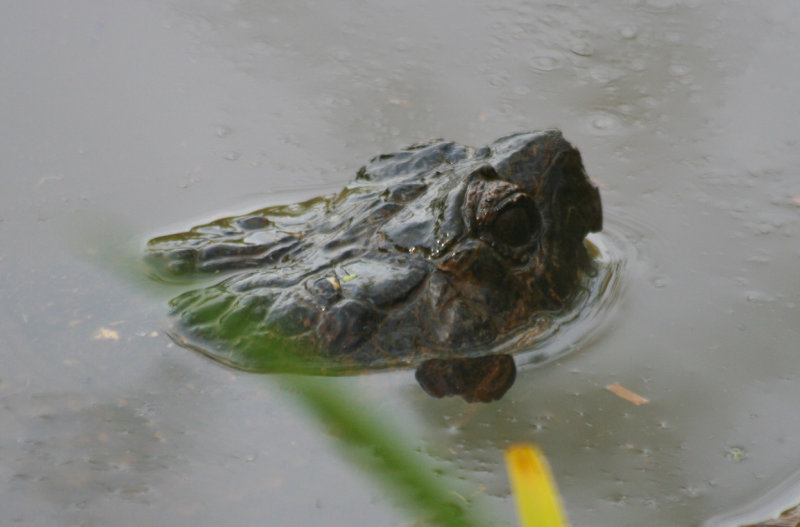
(430, 257)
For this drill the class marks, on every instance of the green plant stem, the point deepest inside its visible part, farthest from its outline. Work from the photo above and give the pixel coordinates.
(391, 461)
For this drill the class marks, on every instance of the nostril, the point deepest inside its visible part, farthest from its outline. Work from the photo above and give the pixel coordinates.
(172, 264)
(181, 261)
(326, 290)
(178, 267)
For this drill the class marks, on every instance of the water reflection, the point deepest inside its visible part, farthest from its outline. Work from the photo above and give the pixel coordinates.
(479, 379)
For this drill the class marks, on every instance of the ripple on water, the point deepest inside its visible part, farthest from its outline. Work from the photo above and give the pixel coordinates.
(615, 255)
(768, 505)
(582, 48)
(545, 63)
(603, 122)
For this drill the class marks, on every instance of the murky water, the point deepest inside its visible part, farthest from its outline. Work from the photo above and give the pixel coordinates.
(125, 120)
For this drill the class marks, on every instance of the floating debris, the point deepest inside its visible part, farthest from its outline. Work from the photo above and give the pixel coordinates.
(624, 393)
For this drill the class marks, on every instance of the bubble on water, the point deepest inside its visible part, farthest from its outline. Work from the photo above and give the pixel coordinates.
(538, 426)
(231, 155)
(223, 131)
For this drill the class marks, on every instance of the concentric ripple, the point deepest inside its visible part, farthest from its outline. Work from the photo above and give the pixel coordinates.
(615, 255)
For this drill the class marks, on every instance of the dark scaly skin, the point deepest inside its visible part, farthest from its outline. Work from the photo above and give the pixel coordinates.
(439, 251)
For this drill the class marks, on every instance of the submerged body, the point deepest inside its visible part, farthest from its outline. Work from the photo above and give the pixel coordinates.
(435, 253)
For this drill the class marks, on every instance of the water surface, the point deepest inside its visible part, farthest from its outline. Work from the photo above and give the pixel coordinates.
(126, 120)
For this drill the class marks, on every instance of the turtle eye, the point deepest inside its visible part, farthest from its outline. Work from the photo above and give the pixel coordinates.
(515, 225)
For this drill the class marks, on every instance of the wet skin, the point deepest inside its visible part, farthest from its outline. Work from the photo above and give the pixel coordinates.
(430, 257)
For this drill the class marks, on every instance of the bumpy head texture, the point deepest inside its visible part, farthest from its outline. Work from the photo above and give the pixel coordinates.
(438, 251)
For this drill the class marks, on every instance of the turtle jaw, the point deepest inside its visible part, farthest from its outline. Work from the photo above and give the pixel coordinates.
(478, 379)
